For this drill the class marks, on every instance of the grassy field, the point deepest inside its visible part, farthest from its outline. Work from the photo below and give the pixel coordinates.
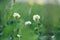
(49, 22)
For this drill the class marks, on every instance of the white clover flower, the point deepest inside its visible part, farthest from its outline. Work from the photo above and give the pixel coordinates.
(18, 35)
(36, 17)
(52, 36)
(16, 15)
(27, 22)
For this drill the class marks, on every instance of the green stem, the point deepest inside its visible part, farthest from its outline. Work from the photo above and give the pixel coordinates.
(30, 10)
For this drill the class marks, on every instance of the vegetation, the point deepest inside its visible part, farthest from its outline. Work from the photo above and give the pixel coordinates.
(48, 24)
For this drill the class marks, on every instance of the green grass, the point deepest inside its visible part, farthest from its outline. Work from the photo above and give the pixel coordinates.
(27, 32)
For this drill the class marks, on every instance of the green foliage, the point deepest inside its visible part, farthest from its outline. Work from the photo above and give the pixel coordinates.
(28, 32)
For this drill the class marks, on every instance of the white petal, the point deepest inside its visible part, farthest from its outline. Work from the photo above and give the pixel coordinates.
(36, 17)
(18, 35)
(27, 22)
(16, 15)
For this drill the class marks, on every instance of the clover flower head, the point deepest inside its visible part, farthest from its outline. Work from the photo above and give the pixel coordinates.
(36, 17)
(27, 22)
(16, 15)
(18, 35)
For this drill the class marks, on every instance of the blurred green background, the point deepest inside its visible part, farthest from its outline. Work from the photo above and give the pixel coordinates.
(49, 24)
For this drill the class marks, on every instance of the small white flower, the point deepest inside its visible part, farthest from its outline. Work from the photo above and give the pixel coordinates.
(16, 15)
(18, 35)
(27, 22)
(36, 17)
(52, 36)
